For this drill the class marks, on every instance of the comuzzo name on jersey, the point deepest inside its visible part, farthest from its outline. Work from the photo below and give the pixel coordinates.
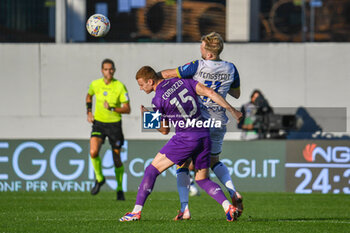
(172, 89)
(214, 76)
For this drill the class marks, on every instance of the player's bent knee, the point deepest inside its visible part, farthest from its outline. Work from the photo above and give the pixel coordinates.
(116, 151)
(202, 174)
(93, 153)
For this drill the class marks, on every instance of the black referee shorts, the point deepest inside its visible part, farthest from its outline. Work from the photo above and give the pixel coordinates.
(113, 131)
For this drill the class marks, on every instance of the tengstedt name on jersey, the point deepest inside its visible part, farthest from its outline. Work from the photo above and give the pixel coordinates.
(193, 123)
(214, 76)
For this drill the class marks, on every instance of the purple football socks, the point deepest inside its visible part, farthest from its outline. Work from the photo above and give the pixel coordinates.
(147, 184)
(213, 189)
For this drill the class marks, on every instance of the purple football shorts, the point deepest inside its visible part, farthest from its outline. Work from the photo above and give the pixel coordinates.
(179, 148)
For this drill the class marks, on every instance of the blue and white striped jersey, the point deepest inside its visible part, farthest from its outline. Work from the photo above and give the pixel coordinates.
(218, 75)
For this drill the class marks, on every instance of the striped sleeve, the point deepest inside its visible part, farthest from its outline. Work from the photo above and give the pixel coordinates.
(188, 70)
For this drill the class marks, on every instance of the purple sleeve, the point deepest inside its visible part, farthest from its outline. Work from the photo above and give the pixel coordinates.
(193, 84)
(188, 70)
(157, 105)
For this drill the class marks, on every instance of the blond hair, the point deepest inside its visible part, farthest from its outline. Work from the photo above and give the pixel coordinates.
(213, 43)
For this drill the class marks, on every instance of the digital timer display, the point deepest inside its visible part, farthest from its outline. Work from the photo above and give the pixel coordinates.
(322, 167)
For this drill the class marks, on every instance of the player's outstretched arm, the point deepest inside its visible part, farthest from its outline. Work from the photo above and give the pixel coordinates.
(210, 93)
(164, 129)
(169, 73)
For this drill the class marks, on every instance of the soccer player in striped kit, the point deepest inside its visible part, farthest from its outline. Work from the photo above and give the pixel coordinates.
(223, 77)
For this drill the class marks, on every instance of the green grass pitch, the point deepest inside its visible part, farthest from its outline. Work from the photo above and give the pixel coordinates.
(81, 212)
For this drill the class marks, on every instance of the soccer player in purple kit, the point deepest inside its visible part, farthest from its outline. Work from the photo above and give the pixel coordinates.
(176, 100)
(223, 77)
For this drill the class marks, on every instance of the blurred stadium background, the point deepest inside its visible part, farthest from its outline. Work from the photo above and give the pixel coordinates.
(155, 20)
(296, 52)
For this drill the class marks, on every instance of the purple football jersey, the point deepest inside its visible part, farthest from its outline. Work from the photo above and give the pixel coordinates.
(177, 101)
